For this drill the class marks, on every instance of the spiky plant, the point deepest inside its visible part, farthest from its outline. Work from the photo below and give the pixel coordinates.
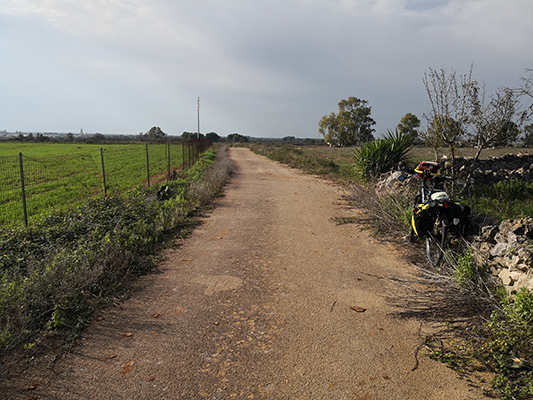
(382, 155)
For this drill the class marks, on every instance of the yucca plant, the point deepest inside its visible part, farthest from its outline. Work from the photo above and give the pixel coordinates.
(382, 155)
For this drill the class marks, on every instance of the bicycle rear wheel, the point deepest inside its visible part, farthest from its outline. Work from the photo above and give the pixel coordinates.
(436, 241)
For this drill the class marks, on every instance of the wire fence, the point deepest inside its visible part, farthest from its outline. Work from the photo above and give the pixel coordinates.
(33, 186)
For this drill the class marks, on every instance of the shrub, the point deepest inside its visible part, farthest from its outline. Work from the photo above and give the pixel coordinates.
(382, 155)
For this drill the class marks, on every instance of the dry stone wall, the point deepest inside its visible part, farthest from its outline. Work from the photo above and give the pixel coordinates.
(507, 249)
(492, 170)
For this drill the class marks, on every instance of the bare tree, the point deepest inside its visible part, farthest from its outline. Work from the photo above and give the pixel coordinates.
(448, 114)
(494, 122)
(527, 89)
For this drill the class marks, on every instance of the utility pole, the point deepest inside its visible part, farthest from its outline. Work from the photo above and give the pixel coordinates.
(198, 133)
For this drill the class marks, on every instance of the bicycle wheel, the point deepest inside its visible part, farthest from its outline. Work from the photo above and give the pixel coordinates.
(436, 242)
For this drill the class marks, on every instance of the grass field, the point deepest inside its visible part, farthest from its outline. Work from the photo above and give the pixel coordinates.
(344, 155)
(58, 176)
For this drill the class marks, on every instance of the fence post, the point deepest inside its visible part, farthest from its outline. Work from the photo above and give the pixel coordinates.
(183, 155)
(103, 170)
(23, 190)
(147, 165)
(168, 157)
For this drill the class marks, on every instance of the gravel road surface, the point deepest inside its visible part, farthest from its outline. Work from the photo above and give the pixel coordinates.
(269, 298)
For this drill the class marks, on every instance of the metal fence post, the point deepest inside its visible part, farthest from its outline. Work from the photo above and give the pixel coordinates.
(147, 165)
(103, 170)
(168, 157)
(21, 166)
(183, 155)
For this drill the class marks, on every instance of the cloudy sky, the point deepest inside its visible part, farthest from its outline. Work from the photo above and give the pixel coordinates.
(262, 68)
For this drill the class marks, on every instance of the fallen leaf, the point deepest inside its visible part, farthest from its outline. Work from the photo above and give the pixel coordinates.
(111, 356)
(218, 237)
(179, 311)
(149, 379)
(99, 318)
(32, 387)
(127, 367)
(155, 315)
(358, 309)
(127, 334)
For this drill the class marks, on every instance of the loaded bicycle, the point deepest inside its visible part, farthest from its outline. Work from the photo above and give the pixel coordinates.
(435, 216)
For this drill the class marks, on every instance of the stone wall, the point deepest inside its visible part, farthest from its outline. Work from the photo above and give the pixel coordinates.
(492, 170)
(507, 249)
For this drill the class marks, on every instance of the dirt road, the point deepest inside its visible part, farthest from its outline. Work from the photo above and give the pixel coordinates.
(269, 299)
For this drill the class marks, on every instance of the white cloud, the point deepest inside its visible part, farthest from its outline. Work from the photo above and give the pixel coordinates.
(304, 55)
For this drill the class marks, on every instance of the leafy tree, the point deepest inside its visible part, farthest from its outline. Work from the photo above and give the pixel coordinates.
(155, 132)
(214, 137)
(191, 135)
(351, 126)
(69, 137)
(409, 124)
(99, 138)
(237, 138)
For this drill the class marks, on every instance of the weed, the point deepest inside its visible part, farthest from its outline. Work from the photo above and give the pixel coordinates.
(465, 268)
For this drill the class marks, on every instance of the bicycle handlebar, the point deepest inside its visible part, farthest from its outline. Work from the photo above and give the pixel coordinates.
(427, 174)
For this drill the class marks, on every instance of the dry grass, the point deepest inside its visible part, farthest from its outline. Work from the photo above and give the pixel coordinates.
(206, 189)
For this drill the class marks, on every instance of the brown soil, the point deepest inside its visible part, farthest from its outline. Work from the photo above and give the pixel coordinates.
(269, 299)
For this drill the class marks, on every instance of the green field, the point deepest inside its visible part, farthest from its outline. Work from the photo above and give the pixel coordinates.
(57, 176)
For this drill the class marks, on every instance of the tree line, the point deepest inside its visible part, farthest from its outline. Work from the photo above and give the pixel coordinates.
(154, 134)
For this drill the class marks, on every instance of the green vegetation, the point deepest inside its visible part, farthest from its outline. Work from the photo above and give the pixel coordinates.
(61, 175)
(351, 126)
(55, 273)
(379, 156)
(306, 159)
(503, 200)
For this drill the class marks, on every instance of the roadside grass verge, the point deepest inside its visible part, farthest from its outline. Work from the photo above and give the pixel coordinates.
(486, 337)
(306, 159)
(55, 274)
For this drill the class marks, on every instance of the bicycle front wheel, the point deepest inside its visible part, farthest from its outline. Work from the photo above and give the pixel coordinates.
(436, 241)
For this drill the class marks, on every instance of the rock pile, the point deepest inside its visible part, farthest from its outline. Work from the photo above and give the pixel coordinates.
(507, 249)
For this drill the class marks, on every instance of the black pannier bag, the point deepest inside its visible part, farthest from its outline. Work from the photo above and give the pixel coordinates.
(459, 215)
(423, 219)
